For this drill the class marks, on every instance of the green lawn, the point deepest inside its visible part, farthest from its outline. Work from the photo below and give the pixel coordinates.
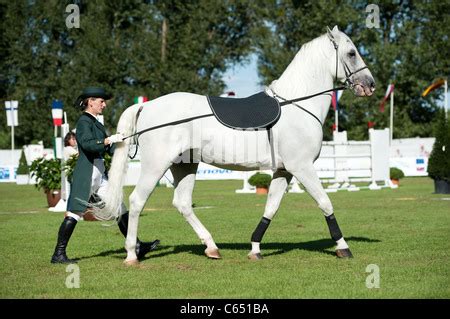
(405, 232)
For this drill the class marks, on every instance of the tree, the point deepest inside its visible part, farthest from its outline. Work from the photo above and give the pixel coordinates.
(439, 161)
(118, 46)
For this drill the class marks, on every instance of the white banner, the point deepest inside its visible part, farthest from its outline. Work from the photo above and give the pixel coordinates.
(11, 112)
(411, 166)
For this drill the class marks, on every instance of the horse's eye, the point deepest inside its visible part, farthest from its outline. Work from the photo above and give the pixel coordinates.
(352, 54)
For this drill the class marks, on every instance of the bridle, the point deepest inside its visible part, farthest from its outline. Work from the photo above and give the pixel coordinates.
(348, 83)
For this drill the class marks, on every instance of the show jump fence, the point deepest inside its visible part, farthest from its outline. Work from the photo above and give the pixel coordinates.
(342, 163)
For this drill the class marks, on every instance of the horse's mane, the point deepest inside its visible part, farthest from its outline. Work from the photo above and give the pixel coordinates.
(308, 51)
(311, 54)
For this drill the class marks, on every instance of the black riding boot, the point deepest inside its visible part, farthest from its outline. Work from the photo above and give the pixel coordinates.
(64, 233)
(142, 248)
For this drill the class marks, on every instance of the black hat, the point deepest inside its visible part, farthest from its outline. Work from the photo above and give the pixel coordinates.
(92, 91)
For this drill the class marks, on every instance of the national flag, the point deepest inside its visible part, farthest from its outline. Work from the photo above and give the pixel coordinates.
(57, 112)
(389, 90)
(12, 108)
(140, 99)
(335, 99)
(433, 86)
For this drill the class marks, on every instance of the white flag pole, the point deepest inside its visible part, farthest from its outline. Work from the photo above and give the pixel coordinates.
(336, 111)
(392, 118)
(336, 116)
(445, 98)
(12, 137)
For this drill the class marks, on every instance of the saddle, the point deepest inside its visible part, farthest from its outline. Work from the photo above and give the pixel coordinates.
(254, 112)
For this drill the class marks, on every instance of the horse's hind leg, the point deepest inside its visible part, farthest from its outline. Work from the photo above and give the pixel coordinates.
(307, 175)
(184, 178)
(278, 186)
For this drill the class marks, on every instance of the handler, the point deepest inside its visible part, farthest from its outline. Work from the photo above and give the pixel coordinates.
(89, 177)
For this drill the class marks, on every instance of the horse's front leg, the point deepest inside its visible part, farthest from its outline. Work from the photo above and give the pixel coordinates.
(307, 175)
(278, 186)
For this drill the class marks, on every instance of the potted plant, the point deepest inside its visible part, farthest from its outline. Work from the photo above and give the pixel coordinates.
(396, 174)
(69, 166)
(261, 181)
(23, 171)
(439, 160)
(48, 178)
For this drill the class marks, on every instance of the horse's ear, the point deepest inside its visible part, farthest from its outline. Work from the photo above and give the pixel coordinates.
(330, 33)
(335, 29)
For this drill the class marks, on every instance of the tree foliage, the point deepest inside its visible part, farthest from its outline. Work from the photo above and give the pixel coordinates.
(119, 46)
(155, 47)
(439, 161)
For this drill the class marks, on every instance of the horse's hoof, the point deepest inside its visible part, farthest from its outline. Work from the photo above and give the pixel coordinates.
(256, 256)
(212, 253)
(131, 262)
(344, 253)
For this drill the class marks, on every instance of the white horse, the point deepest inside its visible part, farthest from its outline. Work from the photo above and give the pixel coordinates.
(297, 140)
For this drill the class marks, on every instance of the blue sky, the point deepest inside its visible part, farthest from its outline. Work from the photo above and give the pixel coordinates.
(243, 79)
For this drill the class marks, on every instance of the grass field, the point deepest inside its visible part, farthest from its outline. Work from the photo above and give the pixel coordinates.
(405, 232)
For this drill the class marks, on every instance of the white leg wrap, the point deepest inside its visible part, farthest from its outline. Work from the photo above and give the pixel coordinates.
(255, 248)
(341, 244)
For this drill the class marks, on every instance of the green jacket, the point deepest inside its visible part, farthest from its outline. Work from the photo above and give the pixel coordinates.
(90, 137)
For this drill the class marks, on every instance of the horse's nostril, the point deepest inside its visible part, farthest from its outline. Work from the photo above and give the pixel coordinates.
(372, 84)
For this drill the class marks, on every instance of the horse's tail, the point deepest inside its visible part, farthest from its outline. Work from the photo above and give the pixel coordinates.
(116, 175)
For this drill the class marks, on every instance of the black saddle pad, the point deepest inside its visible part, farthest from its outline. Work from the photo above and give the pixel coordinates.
(253, 112)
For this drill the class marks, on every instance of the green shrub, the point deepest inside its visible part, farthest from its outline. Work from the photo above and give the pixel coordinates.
(23, 168)
(396, 173)
(69, 165)
(439, 161)
(260, 180)
(47, 173)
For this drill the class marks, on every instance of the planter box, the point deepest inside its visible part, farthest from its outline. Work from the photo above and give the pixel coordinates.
(22, 179)
(262, 190)
(441, 187)
(396, 182)
(53, 197)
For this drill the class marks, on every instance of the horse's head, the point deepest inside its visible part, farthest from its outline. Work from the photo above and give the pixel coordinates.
(350, 67)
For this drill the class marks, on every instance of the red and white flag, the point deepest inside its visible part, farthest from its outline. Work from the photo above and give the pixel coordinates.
(389, 90)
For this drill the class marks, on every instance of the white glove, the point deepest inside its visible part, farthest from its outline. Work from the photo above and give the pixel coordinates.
(116, 138)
